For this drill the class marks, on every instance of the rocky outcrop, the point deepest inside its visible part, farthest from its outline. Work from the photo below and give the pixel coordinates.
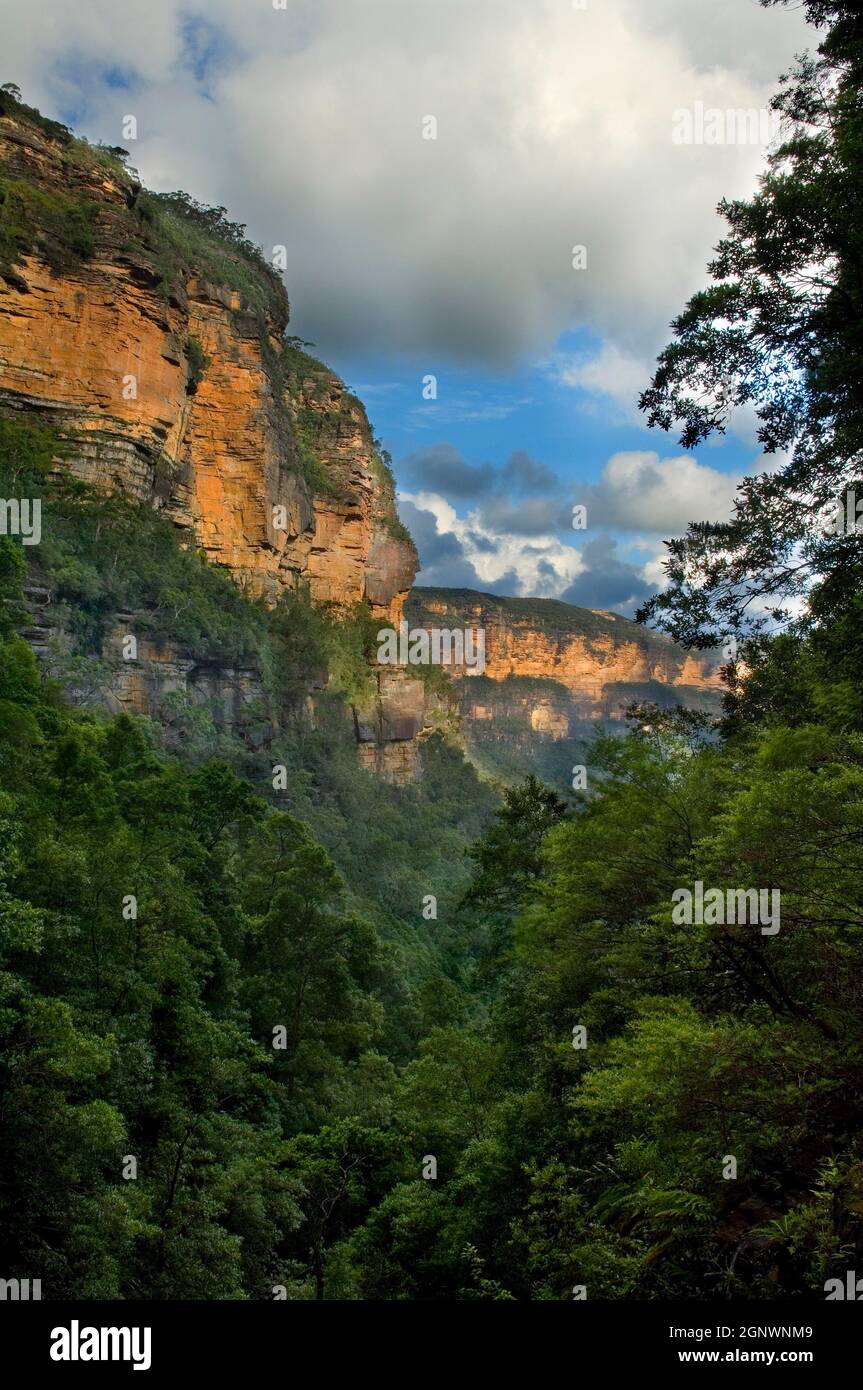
(597, 661)
(402, 711)
(553, 674)
(150, 676)
(178, 388)
(357, 548)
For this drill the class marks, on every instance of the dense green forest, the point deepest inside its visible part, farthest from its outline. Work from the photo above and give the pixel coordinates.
(555, 1089)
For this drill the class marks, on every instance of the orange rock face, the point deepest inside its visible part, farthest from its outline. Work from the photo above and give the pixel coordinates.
(586, 666)
(160, 358)
(173, 397)
(589, 653)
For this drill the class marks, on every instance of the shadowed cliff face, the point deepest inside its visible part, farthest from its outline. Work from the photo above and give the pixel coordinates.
(164, 366)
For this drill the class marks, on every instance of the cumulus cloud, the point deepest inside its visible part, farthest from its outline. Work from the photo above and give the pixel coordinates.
(522, 516)
(610, 375)
(639, 491)
(454, 554)
(553, 129)
(460, 551)
(525, 475)
(442, 468)
(607, 580)
(517, 536)
(523, 497)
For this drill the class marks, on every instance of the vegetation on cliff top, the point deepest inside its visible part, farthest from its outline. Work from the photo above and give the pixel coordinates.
(181, 235)
(550, 616)
(188, 238)
(62, 218)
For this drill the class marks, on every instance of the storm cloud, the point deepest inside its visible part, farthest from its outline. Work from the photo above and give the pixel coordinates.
(491, 531)
(551, 124)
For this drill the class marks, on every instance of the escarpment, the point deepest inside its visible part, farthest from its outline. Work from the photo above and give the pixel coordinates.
(551, 672)
(597, 657)
(151, 335)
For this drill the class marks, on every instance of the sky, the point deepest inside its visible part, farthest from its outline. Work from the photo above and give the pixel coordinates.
(491, 209)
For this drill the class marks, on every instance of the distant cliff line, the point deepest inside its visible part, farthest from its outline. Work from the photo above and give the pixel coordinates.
(583, 649)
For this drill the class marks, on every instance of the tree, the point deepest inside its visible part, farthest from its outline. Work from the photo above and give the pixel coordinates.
(508, 858)
(344, 1170)
(311, 964)
(779, 331)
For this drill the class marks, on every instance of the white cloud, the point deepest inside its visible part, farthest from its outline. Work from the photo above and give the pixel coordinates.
(639, 491)
(653, 572)
(554, 129)
(611, 375)
(543, 565)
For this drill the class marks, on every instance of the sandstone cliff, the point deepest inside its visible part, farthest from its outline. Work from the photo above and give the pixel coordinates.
(554, 672)
(155, 345)
(597, 657)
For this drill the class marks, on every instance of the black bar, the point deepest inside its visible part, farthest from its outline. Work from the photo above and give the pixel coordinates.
(244, 1338)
